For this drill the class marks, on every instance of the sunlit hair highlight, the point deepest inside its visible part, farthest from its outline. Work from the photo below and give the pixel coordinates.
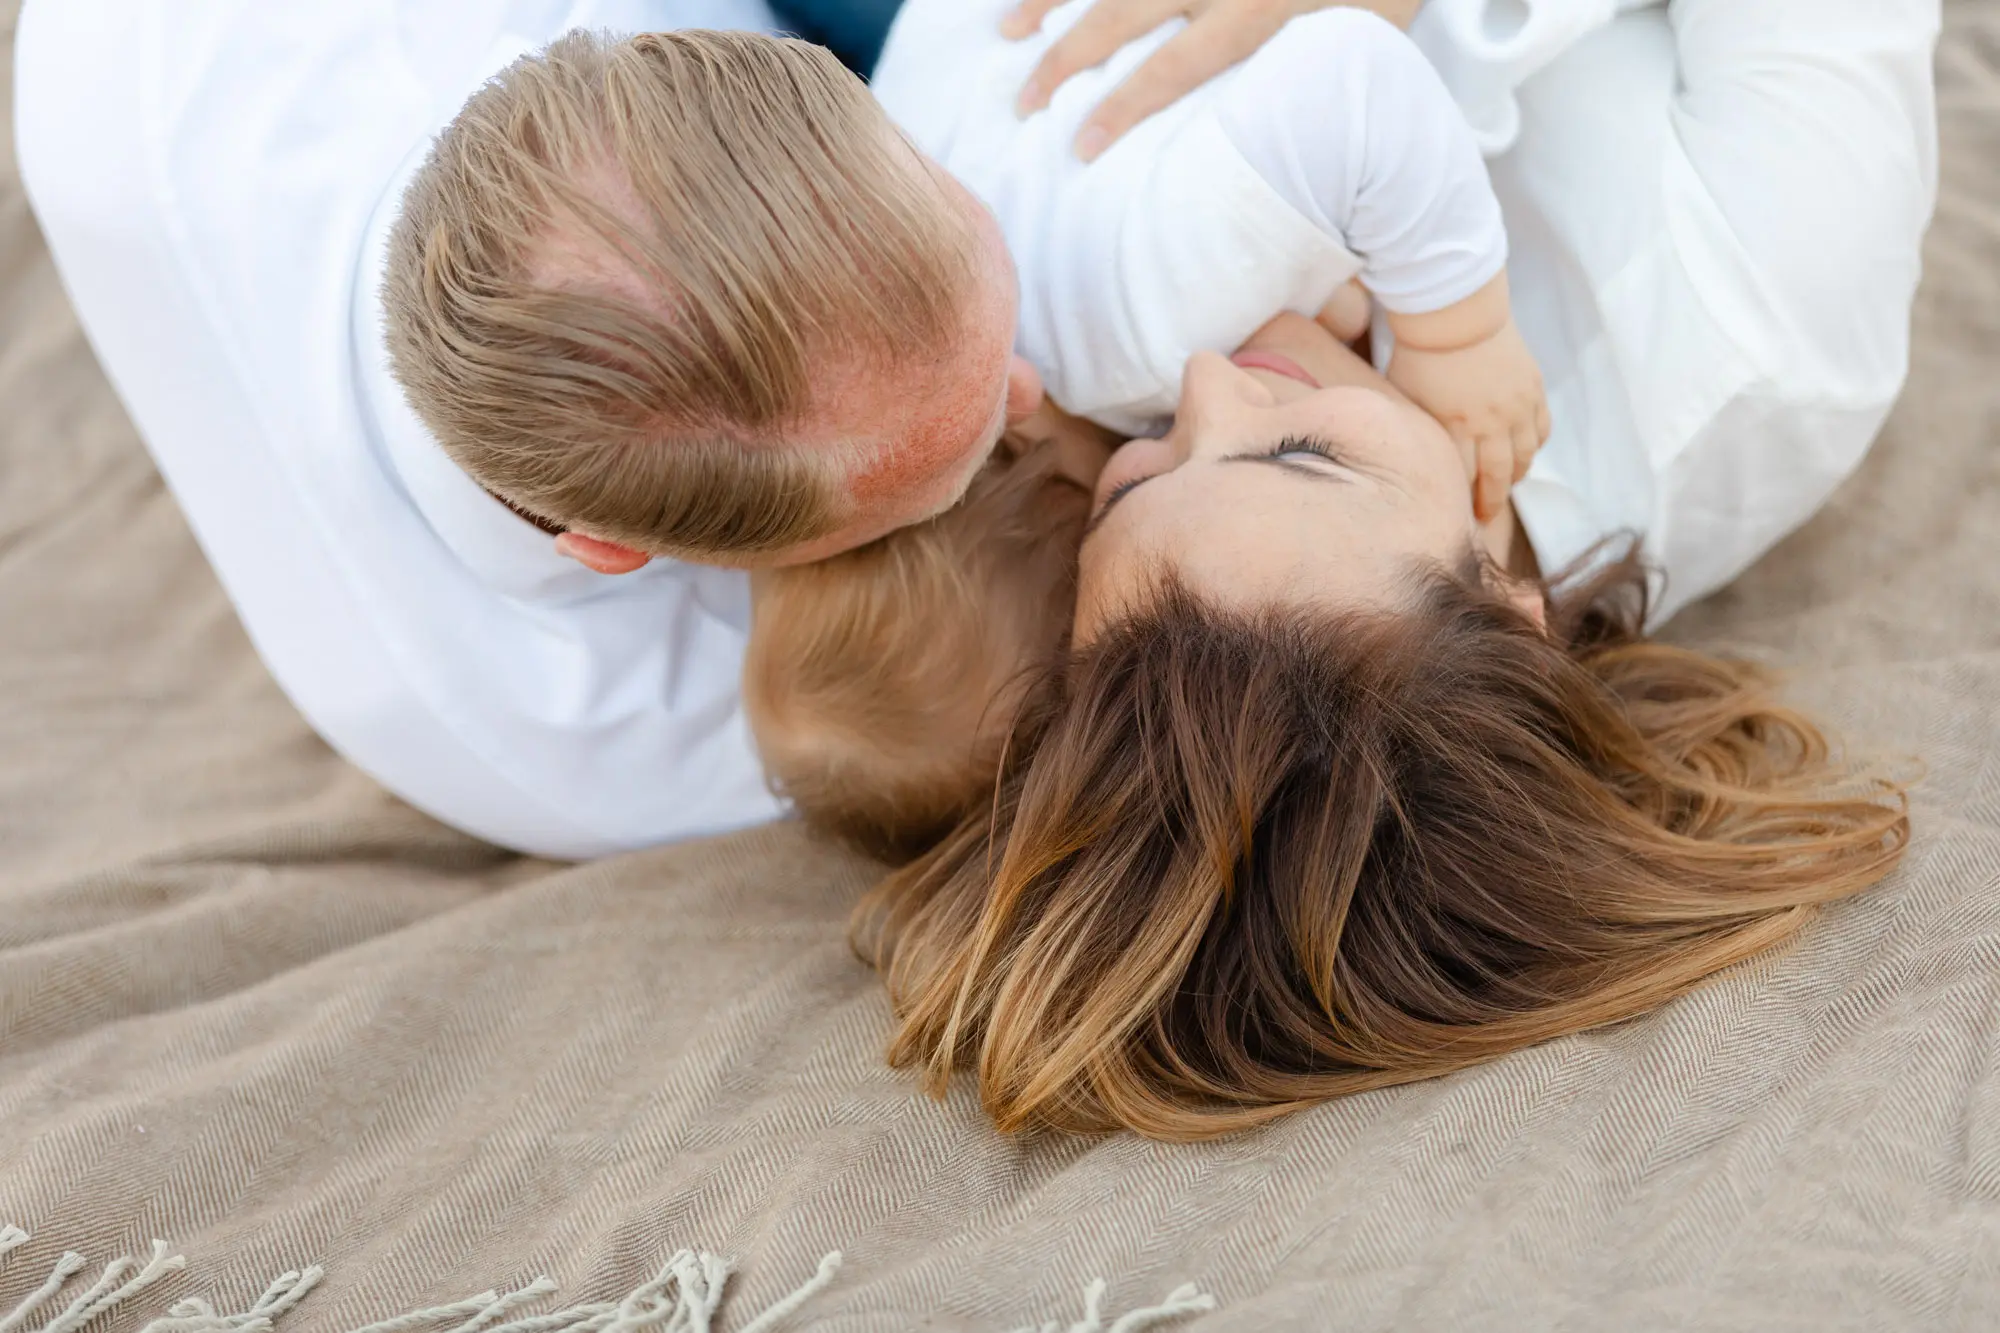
(1241, 862)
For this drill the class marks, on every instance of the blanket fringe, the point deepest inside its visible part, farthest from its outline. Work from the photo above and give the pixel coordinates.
(683, 1297)
(1182, 1300)
(111, 1288)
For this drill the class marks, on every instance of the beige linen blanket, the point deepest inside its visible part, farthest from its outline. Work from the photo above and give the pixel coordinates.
(254, 1007)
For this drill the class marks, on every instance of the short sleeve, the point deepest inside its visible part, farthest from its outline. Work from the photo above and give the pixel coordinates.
(1346, 120)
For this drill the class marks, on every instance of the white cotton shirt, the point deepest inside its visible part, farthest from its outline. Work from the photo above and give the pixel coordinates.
(216, 179)
(1717, 210)
(1334, 152)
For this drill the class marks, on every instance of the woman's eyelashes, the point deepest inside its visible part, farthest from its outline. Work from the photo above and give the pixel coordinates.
(1284, 450)
(1306, 444)
(1117, 493)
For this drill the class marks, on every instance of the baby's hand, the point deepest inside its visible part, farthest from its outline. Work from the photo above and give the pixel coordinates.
(1489, 396)
(1488, 393)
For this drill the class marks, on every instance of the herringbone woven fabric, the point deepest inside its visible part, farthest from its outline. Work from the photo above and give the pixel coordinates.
(253, 1006)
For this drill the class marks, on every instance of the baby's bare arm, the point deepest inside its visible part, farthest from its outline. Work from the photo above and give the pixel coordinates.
(1468, 366)
(1461, 324)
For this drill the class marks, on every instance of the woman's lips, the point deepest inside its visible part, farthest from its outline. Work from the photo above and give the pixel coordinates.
(1258, 359)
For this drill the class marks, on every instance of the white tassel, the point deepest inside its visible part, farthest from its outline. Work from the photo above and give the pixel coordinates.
(68, 1264)
(111, 1288)
(195, 1315)
(829, 1264)
(1182, 1300)
(683, 1297)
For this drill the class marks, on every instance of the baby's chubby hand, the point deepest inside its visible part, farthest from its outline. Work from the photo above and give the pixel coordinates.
(1474, 373)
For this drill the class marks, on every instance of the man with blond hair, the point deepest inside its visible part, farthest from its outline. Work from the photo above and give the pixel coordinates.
(215, 182)
(523, 611)
(220, 183)
(785, 337)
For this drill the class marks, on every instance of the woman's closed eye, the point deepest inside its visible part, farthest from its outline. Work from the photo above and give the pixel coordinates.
(1299, 453)
(1117, 493)
(1292, 446)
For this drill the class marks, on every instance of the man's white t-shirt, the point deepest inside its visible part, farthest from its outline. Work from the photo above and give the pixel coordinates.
(1333, 152)
(216, 179)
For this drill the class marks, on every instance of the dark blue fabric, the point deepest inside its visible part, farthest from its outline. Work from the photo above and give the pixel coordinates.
(853, 29)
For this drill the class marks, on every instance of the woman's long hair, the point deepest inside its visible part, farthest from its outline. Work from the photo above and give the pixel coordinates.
(1240, 862)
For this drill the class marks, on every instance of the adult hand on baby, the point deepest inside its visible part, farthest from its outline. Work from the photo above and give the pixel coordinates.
(1219, 34)
(1489, 396)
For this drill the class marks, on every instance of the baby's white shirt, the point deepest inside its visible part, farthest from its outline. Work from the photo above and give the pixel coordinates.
(1334, 152)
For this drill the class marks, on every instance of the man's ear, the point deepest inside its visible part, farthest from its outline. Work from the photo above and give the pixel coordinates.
(604, 557)
(1024, 390)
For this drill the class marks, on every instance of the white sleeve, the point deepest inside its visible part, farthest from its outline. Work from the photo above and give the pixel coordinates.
(1809, 132)
(1346, 120)
(1811, 126)
(1719, 210)
(1486, 49)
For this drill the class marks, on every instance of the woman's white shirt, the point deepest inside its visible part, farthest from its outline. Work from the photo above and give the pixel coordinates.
(1333, 152)
(1716, 210)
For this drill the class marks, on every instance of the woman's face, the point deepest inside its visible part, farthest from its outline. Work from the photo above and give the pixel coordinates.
(1292, 475)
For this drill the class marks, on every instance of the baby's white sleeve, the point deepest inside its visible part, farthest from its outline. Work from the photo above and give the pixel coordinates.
(1347, 121)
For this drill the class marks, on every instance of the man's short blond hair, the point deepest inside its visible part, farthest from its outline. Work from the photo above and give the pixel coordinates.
(626, 265)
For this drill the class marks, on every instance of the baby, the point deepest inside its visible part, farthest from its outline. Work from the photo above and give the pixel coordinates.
(1332, 154)
(881, 685)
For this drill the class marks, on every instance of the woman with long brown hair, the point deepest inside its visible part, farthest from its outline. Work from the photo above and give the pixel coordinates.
(1330, 790)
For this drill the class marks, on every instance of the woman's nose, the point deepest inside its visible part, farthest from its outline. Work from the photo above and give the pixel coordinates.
(1212, 389)
(1206, 373)
(1212, 379)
